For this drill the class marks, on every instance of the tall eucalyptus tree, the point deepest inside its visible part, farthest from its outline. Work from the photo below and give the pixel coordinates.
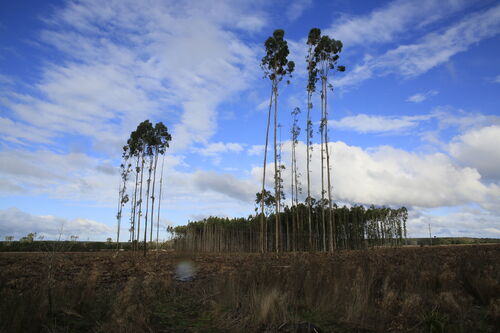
(312, 40)
(276, 66)
(326, 55)
(160, 141)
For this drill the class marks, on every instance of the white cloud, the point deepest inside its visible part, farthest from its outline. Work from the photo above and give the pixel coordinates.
(296, 8)
(461, 119)
(420, 97)
(103, 84)
(256, 150)
(364, 123)
(432, 50)
(478, 148)
(14, 222)
(389, 176)
(73, 176)
(214, 149)
(385, 24)
(20, 133)
(497, 79)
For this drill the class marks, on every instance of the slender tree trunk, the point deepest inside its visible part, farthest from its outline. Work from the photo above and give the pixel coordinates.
(323, 173)
(276, 175)
(308, 126)
(140, 202)
(134, 207)
(153, 195)
(119, 215)
(294, 229)
(330, 204)
(263, 222)
(159, 204)
(147, 205)
(297, 219)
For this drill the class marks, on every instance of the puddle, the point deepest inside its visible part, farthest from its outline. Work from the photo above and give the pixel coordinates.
(185, 271)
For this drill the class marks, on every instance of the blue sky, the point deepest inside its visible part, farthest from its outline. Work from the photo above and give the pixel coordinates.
(414, 120)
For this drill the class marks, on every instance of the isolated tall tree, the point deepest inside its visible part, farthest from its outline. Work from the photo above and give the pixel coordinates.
(326, 55)
(312, 71)
(275, 66)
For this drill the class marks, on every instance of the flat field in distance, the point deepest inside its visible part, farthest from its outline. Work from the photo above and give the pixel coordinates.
(409, 289)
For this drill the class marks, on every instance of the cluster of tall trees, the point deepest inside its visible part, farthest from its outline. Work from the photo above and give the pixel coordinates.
(312, 225)
(321, 60)
(139, 168)
(357, 227)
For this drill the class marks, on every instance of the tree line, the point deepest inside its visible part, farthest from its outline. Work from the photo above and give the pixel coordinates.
(357, 227)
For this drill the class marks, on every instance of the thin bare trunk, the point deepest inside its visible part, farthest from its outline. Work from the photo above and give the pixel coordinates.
(119, 214)
(294, 230)
(140, 202)
(330, 205)
(309, 220)
(147, 205)
(134, 207)
(263, 222)
(159, 204)
(153, 195)
(276, 175)
(322, 128)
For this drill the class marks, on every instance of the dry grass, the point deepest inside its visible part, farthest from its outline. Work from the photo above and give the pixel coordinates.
(445, 289)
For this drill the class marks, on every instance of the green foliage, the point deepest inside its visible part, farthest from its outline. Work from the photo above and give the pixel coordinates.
(357, 227)
(275, 63)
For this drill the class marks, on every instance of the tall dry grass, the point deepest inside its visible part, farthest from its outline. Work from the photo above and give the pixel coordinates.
(446, 289)
(400, 290)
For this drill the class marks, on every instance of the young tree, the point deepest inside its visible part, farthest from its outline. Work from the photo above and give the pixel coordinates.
(122, 190)
(276, 66)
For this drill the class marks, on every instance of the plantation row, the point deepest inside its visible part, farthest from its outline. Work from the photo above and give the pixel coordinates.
(356, 228)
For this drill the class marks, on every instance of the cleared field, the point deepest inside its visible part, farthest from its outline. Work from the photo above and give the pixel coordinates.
(438, 289)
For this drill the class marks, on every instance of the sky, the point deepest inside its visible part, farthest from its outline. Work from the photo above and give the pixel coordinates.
(414, 120)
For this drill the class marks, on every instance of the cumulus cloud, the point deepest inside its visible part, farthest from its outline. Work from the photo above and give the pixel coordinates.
(478, 148)
(389, 176)
(14, 222)
(420, 97)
